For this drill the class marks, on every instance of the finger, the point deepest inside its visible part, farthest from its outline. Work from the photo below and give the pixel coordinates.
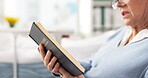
(80, 76)
(42, 51)
(52, 63)
(56, 68)
(47, 58)
(38, 50)
(64, 72)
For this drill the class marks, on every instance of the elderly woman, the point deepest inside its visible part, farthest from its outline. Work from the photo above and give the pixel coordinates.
(125, 54)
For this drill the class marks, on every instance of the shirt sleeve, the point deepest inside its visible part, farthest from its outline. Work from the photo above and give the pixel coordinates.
(86, 64)
(144, 74)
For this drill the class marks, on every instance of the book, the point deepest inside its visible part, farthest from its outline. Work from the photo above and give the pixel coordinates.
(41, 36)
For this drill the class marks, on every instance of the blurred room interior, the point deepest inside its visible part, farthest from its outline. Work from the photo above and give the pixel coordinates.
(76, 24)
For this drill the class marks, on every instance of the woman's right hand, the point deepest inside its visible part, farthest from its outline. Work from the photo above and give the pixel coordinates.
(49, 61)
(52, 64)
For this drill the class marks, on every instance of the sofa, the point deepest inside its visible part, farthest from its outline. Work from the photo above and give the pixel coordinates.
(28, 60)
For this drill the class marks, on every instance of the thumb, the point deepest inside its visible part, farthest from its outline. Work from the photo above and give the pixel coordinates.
(64, 72)
(80, 76)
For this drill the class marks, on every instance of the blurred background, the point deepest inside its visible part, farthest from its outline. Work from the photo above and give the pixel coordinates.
(76, 24)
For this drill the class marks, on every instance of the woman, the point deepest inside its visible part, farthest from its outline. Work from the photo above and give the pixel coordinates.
(125, 54)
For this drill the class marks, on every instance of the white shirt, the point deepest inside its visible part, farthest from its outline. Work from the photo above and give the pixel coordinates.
(140, 36)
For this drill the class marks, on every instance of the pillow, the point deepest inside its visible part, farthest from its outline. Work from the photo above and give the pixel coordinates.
(84, 48)
(6, 47)
(27, 50)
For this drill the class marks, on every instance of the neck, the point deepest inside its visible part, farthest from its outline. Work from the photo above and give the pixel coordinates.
(134, 33)
(137, 29)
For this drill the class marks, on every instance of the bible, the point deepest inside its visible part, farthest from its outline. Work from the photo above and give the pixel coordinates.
(41, 36)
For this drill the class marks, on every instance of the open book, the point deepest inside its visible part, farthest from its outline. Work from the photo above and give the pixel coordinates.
(40, 35)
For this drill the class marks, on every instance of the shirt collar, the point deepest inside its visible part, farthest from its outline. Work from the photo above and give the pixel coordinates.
(140, 36)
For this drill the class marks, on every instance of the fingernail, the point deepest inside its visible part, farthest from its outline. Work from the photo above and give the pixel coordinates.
(55, 58)
(47, 51)
(39, 45)
(38, 49)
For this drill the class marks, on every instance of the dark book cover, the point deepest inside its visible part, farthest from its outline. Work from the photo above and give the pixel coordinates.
(40, 35)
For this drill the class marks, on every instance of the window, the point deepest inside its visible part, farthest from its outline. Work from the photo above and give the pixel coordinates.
(51, 13)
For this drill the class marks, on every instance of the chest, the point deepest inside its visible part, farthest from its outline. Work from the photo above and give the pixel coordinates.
(132, 58)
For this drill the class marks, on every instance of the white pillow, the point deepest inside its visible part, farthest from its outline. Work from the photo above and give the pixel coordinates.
(84, 48)
(27, 50)
(7, 47)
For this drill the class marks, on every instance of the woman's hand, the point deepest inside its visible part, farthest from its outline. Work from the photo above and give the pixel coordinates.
(65, 74)
(48, 60)
(52, 65)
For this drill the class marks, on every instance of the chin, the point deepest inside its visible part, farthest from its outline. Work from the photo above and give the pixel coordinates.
(128, 22)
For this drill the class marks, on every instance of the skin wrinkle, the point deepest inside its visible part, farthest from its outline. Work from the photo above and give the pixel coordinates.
(137, 23)
(145, 17)
(138, 15)
(132, 13)
(143, 22)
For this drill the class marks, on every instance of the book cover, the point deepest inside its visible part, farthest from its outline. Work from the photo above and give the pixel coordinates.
(40, 35)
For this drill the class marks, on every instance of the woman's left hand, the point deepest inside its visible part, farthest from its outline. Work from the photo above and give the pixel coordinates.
(65, 74)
